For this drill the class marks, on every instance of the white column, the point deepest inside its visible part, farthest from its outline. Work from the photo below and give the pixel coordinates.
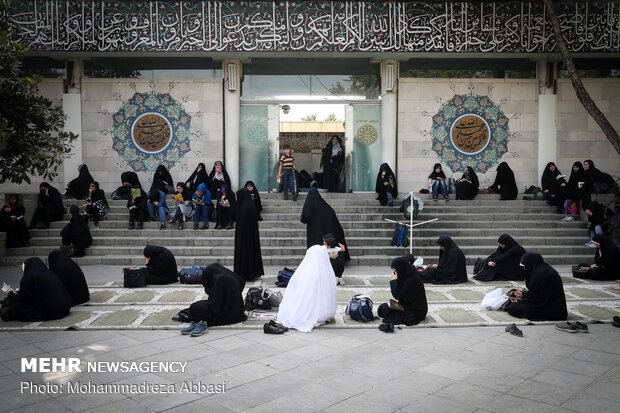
(389, 96)
(547, 116)
(232, 100)
(72, 106)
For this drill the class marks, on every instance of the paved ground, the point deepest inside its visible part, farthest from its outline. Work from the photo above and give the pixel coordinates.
(481, 369)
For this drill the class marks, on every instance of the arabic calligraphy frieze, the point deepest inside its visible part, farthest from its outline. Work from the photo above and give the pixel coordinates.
(470, 130)
(151, 129)
(326, 26)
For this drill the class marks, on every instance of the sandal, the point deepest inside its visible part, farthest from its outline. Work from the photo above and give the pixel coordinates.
(514, 330)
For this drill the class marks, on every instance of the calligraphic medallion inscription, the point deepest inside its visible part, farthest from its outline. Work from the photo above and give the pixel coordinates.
(257, 134)
(470, 134)
(367, 135)
(151, 132)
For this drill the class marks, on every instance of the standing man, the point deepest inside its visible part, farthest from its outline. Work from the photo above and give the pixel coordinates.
(287, 170)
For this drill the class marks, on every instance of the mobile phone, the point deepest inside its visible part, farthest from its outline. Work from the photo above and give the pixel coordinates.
(5, 287)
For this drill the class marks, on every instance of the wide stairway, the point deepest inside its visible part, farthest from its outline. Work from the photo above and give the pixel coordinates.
(474, 226)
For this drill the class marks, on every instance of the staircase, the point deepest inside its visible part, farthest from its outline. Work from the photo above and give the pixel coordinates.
(473, 225)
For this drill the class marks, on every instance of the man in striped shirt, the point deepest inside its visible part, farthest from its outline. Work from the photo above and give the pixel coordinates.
(286, 171)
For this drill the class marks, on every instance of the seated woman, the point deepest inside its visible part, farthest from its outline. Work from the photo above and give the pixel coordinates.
(12, 222)
(76, 235)
(96, 206)
(503, 264)
(217, 178)
(161, 265)
(156, 204)
(543, 299)
(505, 183)
(310, 297)
(255, 197)
(552, 182)
(49, 207)
(136, 205)
(336, 259)
(606, 259)
(409, 306)
(71, 276)
(199, 176)
(224, 305)
(162, 180)
(451, 267)
(437, 182)
(78, 188)
(598, 215)
(225, 209)
(573, 190)
(385, 186)
(467, 186)
(182, 205)
(202, 206)
(129, 179)
(41, 296)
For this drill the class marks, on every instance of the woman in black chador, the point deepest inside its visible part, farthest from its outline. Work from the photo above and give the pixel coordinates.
(42, 296)
(12, 222)
(129, 179)
(543, 299)
(49, 207)
(71, 276)
(78, 188)
(332, 162)
(162, 180)
(503, 264)
(574, 188)
(467, 186)
(249, 185)
(248, 257)
(217, 178)
(321, 220)
(136, 204)
(606, 259)
(161, 265)
(96, 206)
(410, 306)
(451, 267)
(552, 182)
(225, 208)
(505, 183)
(225, 302)
(385, 187)
(199, 176)
(76, 235)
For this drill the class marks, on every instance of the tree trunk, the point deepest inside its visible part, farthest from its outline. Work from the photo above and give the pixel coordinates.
(582, 93)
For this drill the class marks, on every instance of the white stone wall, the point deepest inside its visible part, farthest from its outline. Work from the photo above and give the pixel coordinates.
(100, 102)
(51, 89)
(579, 137)
(420, 99)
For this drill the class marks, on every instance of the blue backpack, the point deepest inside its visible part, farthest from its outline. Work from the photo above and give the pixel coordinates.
(359, 308)
(284, 276)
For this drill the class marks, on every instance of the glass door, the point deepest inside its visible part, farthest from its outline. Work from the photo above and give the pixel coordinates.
(363, 125)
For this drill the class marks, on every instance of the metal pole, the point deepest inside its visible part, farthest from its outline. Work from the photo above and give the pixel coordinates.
(411, 223)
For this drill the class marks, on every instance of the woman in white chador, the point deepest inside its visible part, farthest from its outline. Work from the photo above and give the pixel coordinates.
(310, 297)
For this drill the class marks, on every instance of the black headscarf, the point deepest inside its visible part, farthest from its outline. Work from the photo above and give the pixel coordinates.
(248, 257)
(473, 177)
(548, 178)
(382, 189)
(321, 219)
(163, 175)
(78, 188)
(600, 214)
(410, 292)
(435, 175)
(77, 231)
(576, 177)
(70, 274)
(545, 298)
(53, 197)
(255, 196)
(16, 231)
(225, 302)
(607, 257)
(187, 193)
(198, 177)
(162, 266)
(98, 195)
(451, 261)
(131, 177)
(506, 261)
(333, 166)
(212, 173)
(140, 200)
(506, 179)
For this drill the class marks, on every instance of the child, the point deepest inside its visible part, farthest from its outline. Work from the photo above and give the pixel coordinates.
(202, 203)
(287, 171)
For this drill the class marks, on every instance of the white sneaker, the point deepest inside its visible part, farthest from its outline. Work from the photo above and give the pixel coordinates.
(340, 281)
(591, 244)
(568, 219)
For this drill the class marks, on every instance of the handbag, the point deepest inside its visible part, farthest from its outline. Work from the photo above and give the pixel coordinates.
(582, 271)
(255, 300)
(274, 297)
(284, 276)
(479, 266)
(191, 275)
(359, 308)
(134, 277)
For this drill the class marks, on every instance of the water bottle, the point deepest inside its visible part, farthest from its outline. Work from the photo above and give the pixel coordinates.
(525, 189)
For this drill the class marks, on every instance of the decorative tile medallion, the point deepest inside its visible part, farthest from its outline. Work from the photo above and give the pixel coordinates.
(367, 135)
(151, 129)
(470, 130)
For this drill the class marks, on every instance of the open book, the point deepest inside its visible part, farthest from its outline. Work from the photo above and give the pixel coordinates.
(136, 192)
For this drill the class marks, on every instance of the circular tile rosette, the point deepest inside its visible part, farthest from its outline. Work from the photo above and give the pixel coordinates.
(151, 129)
(470, 130)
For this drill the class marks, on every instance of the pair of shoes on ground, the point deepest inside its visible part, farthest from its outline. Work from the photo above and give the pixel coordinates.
(202, 227)
(569, 327)
(387, 327)
(568, 218)
(616, 321)
(195, 329)
(273, 327)
(162, 226)
(514, 330)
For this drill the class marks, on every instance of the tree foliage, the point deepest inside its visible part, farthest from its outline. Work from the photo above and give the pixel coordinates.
(331, 118)
(32, 140)
(359, 85)
(309, 118)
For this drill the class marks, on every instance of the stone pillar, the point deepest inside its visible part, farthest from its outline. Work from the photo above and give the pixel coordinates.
(72, 106)
(231, 70)
(547, 116)
(389, 100)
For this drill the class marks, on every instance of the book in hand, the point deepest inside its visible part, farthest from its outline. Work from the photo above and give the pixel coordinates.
(178, 197)
(395, 305)
(136, 192)
(335, 249)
